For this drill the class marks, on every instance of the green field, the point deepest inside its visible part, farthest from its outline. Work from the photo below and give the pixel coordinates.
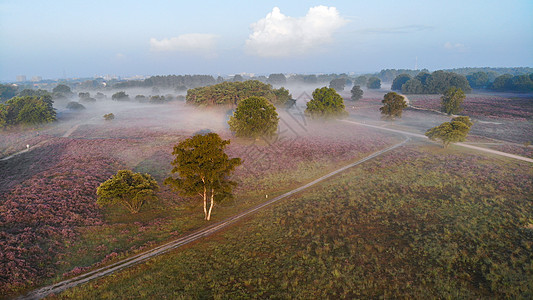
(417, 222)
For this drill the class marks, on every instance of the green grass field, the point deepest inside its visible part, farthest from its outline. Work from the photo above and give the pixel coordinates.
(418, 222)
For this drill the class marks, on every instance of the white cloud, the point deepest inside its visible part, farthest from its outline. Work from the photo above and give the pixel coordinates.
(278, 35)
(197, 43)
(454, 47)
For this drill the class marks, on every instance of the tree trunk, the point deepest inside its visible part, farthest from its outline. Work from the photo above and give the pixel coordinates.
(205, 203)
(212, 203)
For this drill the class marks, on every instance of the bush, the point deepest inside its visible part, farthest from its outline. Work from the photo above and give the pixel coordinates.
(128, 189)
(109, 116)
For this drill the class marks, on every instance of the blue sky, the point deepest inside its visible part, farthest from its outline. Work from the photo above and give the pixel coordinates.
(87, 38)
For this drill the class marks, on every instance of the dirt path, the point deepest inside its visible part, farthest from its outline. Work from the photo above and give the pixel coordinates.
(458, 144)
(141, 257)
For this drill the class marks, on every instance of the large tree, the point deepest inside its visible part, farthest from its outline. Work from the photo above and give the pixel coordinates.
(128, 189)
(450, 132)
(393, 105)
(231, 93)
(326, 103)
(357, 93)
(254, 117)
(203, 169)
(29, 110)
(452, 100)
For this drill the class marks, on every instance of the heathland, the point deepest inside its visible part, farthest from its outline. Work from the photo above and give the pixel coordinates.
(419, 221)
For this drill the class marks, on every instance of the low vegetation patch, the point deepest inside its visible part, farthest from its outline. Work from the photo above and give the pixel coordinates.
(442, 225)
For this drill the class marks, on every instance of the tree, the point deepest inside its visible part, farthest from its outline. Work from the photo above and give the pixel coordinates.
(393, 105)
(254, 117)
(277, 79)
(30, 110)
(452, 100)
(7, 91)
(61, 88)
(83, 95)
(361, 80)
(435, 83)
(100, 95)
(337, 84)
(399, 81)
(157, 99)
(283, 97)
(238, 78)
(33, 93)
(231, 93)
(128, 189)
(373, 83)
(75, 106)
(357, 93)
(413, 86)
(326, 103)
(450, 132)
(203, 169)
(120, 96)
(478, 80)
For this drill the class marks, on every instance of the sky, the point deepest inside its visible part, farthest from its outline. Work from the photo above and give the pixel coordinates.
(76, 38)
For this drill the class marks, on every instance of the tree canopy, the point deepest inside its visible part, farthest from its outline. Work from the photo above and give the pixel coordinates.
(203, 170)
(451, 132)
(435, 83)
(120, 96)
(128, 189)
(478, 80)
(338, 84)
(357, 93)
(254, 117)
(399, 81)
(62, 88)
(326, 103)
(7, 91)
(393, 105)
(277, 79)
(373, 83)
(510, 83)
(452, 100)
(73, 105)
(231, 93)
(29, 110)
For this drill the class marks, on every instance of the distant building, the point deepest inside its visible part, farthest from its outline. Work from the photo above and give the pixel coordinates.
(21, 78)
(36, 78)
